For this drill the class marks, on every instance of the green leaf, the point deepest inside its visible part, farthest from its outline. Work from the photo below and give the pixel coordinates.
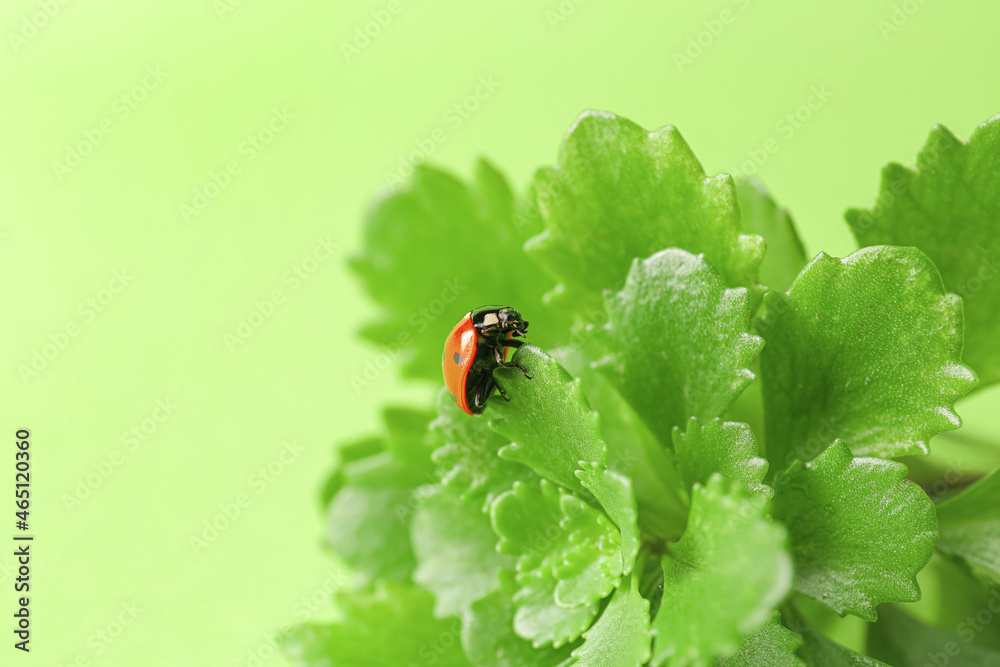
(368, 521)
(950, 209)
(347, 452)
(456, 553)
(620, 637)
(557, 434)
(569, 558)
(548, 419)
(550, 529)
(415, 265)
(970, 528)
(680, 339)
(467, 458)
(722, 579)
(620, 193)
(863, 349)
(785, 255)
(727, 448)
(902, 641)
(538, 617)
(489, 639)
(408, 440)
(371, 498)
(818, 651)
(633, 451)
(771, 645)
(804, 615)
(749, 409)
(859, 531)
(951, 597)
(614, 492)
(391, 626)
(649, 578)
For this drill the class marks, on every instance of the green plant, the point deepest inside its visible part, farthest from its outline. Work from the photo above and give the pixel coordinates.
(703, 469)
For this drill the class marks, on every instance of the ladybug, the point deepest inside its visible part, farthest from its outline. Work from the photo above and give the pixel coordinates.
(476, 345)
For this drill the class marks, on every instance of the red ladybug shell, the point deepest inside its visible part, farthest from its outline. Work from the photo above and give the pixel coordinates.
(459, 353)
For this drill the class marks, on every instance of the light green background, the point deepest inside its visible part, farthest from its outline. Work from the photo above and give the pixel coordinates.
(163, 336)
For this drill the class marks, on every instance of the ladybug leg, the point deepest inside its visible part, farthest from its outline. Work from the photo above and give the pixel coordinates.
(487, 330)
(510, 364)
(524, 372)
(503, 343)
(503, 394)
(485, 389)
(482, 393)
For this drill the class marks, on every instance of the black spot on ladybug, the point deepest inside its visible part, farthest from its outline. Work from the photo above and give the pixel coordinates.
(458, 358)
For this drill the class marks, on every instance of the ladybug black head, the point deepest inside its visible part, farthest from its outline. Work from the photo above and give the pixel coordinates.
(511, 319)
(491, 320)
